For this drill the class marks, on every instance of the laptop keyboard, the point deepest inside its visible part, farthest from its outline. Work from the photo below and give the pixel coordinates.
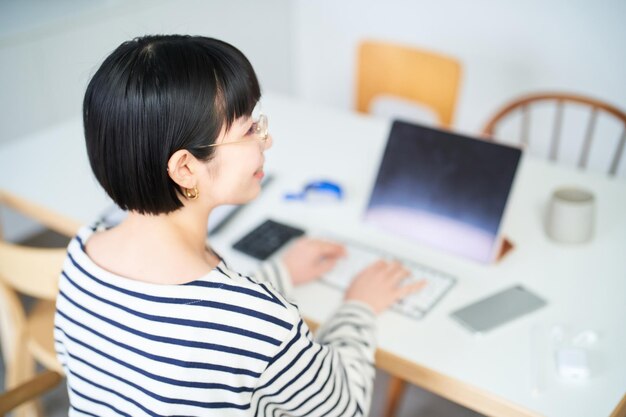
(416, 305)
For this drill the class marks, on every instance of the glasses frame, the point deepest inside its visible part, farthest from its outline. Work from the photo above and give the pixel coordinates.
(260, 130)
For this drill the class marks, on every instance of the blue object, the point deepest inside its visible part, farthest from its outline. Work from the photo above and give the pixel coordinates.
(325, 188)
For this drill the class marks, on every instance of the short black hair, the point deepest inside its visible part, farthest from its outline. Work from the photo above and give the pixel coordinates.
(153, 96)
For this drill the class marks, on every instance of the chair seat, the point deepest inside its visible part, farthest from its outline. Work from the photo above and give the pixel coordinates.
(40, 329)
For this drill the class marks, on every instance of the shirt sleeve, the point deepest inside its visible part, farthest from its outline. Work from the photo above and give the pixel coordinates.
(331, 375)
(59, 347)
(275, 273)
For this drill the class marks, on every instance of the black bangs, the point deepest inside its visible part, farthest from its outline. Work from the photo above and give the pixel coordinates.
(156, 95)
(238, 87)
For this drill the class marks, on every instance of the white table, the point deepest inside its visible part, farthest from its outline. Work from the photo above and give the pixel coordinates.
(48, 174)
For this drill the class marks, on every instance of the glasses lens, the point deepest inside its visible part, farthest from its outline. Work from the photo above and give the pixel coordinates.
(261, 126)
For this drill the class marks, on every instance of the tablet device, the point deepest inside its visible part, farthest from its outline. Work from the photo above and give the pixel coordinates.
(498, 309)
(444, 190)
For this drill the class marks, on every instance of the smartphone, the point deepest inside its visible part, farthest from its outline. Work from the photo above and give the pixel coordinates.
(497, 309)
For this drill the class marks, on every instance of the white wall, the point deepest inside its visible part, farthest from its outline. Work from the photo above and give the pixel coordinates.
(48, 50)
(506, 47)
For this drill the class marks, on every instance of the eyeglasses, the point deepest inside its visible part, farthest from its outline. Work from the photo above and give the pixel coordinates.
(258, 128)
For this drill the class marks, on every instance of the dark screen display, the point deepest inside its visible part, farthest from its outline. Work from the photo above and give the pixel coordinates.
(442, 189)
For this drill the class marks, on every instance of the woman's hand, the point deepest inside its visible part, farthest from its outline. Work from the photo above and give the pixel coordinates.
(308, 259)
(378, 285)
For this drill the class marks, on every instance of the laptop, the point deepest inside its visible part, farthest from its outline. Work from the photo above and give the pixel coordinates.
(443, 190)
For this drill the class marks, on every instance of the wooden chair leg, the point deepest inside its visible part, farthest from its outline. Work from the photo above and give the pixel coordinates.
(34, 388)
(32, 408)
(395, 389)
(19, 362)
(20, 369)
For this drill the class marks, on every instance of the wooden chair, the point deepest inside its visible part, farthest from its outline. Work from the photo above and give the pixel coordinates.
(422, 77)
(523, 105)
(29, 391)
(28, 337)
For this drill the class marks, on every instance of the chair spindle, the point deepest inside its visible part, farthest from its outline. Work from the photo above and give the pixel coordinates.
(584, 154)
(556, 134)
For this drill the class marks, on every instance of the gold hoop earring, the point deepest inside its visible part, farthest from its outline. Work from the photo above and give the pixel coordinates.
(190, 195)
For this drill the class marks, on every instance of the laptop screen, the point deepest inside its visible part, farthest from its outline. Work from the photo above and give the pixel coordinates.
(442, 189)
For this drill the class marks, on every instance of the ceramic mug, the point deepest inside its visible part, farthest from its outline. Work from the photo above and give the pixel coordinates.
(570, 216)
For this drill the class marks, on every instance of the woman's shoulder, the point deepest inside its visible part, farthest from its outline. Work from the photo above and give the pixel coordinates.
(222, 287)
(261, 294)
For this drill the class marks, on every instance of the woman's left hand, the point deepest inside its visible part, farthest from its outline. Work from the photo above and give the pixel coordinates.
(308, 259)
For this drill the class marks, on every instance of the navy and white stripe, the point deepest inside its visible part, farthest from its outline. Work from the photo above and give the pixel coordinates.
(222, 345)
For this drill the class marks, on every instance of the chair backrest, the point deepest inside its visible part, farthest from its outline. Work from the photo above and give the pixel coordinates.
(31, 271)
(595, 107)
(12, 323)
(423, 77)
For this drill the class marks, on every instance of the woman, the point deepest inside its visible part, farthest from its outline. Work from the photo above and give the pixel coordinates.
(150, 321)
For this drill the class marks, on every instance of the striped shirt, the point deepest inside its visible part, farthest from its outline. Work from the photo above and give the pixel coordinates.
(222, 345)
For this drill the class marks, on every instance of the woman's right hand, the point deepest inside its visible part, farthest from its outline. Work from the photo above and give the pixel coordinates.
(378, 285)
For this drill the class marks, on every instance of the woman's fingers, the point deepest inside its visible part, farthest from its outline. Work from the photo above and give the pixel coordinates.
(324, 249)
(331, 248)
(380, 285)
(409, 289)
(398, 271)
(325, 265)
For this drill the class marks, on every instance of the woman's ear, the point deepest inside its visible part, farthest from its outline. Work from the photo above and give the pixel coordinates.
(182, 168)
